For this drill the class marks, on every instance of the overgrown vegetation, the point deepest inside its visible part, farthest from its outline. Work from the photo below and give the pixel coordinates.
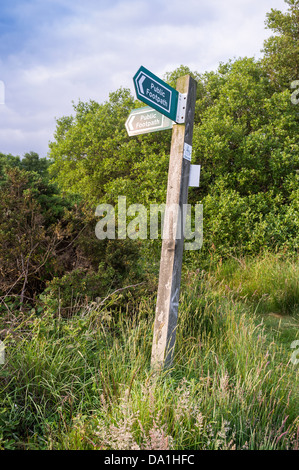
(85, 382)
(77, 313)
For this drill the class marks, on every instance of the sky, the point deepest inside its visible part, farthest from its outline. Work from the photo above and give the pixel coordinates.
(55, 52)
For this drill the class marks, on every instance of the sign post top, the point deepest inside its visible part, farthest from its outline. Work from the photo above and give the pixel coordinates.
(156, 93)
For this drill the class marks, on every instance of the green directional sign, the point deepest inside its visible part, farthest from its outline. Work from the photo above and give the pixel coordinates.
(146, 119)
(159, 95)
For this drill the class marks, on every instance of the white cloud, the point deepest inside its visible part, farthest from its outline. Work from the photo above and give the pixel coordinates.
(92, 48)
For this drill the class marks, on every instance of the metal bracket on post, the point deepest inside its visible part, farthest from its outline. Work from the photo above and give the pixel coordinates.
(181, 109)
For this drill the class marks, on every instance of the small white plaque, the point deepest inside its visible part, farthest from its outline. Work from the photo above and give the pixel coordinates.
(187, 151)
(194, 175)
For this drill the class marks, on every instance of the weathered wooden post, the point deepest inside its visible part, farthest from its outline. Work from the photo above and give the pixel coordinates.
(178, 105)
(173, 246)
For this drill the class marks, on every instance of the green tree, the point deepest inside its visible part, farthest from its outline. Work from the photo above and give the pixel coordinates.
(281, 51)
(247, 145)
(8, 161)
(93, 156)
(32, 162)
(247, 137)
(27, 247)
(47, 239)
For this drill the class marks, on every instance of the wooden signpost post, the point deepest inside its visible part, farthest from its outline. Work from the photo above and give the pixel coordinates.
(172, 249)
(178, 105)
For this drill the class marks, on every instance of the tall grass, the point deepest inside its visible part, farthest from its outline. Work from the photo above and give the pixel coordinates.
(86, 383)
(270, 282)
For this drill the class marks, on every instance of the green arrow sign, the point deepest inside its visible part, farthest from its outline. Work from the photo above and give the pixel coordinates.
(144, 120)
(156, 93)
